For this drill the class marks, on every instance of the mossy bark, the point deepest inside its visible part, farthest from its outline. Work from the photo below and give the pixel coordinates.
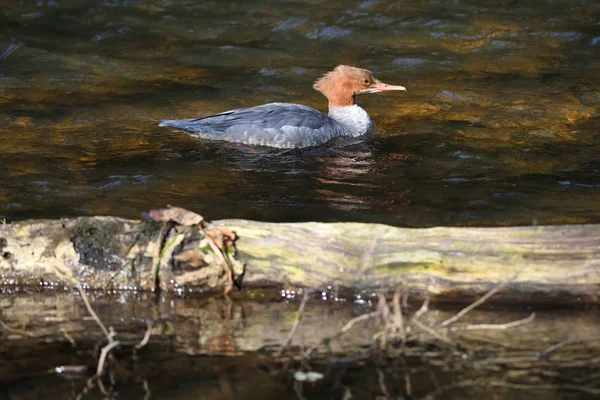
(551, 261)
(114, 253)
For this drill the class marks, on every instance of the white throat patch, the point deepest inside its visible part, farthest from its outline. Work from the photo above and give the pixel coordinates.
(353, 118)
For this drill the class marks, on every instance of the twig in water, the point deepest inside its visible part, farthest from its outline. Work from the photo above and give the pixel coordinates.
(384, 311)
(17, 331)
(383, 308)
(11, 49)
(407, 381)
(292, 331)
(507, 325)
(112, 343)
(344, 329)
(103, 390)
(382, 386)
(405, 300)
(557, 346)
(398, 320)
(347, 393)
(109, 334)
(91, 311)
(552, 387)
(89, 385)
(563, 344)
(68, 336)
(487, 383)
(424, 307)
(429, 330)
(473, 305)
(105, 350)
(298, 390)
(147, 390)
(146, 338)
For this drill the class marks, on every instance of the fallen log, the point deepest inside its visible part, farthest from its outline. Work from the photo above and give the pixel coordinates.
(537, 262)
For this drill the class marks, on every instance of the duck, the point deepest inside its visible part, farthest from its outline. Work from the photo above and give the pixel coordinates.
(289, 125)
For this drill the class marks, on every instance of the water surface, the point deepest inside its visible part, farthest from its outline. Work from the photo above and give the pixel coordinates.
(217, 348)
(499, 125)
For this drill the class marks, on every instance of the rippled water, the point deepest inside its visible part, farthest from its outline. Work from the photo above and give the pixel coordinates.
(499, 124)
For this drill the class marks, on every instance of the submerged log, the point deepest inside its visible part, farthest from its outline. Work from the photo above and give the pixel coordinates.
(114, 253)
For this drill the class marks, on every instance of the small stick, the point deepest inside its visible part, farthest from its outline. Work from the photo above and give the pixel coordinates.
(563, 344)
(405, 300)
(146, 338)
(147, 390)
(298, 390)
(91, 311)
(68, 336)
(86, 301)
(344, 329)
(17, 331)
(102, 388)
(429, 330)
(382, 386)
(89, 384)
(507, 325)
(553, 387)
(471, 306)
(384, 309)
(407, 381)
(11, 49)
(398, 314)
(347, 393)
(424, 307)
(292, 332)
(105, 350)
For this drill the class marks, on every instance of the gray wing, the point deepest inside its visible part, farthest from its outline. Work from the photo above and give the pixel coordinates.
(276, 124)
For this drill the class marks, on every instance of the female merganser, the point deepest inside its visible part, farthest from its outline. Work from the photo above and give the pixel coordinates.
(286, 125)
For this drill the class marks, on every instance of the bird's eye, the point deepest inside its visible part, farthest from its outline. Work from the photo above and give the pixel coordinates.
(367, 81)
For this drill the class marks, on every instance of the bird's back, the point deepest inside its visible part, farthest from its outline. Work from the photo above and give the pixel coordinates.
(281, 125)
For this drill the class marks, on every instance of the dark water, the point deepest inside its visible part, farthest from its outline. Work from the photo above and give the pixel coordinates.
(499, 125)
(213, 348)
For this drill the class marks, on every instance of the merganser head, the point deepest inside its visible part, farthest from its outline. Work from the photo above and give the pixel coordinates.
(341, 85)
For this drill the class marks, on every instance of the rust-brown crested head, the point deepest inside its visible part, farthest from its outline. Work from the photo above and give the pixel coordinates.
(344, 82)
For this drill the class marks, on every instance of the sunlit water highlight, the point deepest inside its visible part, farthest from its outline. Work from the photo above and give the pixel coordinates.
(499, 124)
